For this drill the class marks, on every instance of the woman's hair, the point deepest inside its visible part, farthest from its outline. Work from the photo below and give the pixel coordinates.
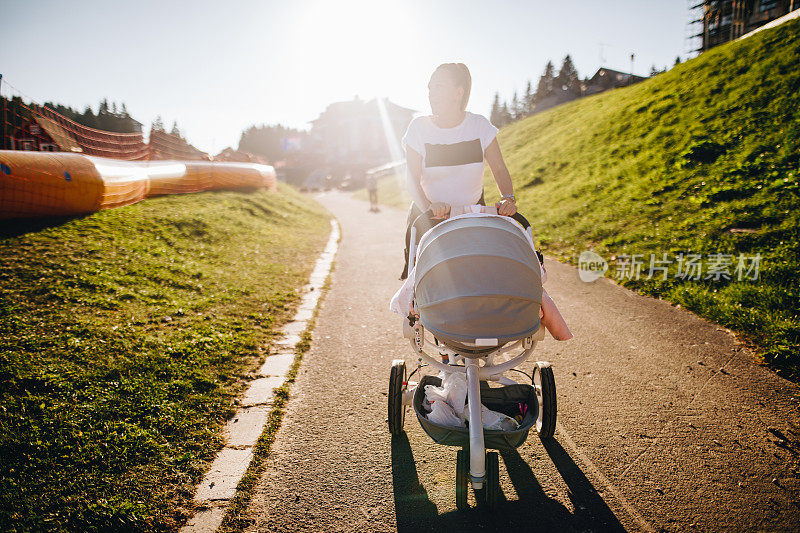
(459, 73)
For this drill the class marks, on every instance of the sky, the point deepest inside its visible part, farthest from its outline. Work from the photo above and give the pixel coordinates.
(218, 67)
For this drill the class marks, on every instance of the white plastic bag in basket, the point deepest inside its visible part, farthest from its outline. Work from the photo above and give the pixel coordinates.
(442, 413)
(494, 420)
(453, 394)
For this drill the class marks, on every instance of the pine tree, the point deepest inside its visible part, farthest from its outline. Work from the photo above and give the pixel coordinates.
(505, 115)
(516, 112)
(528, 101)
(158, 124)
(677, 60)
(495, 117)
(175, 130)
(546, 81)
(88, 119)
(567, 79)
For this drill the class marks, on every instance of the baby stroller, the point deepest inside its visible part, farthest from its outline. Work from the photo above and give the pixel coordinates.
(477, 294)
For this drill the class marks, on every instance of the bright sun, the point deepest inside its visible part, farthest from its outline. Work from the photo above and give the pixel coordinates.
(351, 38)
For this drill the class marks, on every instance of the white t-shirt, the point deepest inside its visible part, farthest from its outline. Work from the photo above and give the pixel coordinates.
(452, 158)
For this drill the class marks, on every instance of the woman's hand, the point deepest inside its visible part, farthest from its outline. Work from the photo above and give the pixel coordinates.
(440, 209)
(506, 207)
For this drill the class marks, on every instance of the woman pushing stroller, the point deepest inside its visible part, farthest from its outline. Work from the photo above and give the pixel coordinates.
(445, 156)
(446, 152)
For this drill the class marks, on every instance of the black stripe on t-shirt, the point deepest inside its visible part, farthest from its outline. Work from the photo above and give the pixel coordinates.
(448, 155)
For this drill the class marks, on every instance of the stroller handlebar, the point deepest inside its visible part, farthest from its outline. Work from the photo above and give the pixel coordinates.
(426, 220)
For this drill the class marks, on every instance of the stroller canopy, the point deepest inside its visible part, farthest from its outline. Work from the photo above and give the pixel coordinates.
(478, 280)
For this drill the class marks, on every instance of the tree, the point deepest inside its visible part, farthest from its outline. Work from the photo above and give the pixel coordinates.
(567, 79)
(87, 118)
(266, 140)
(158, 124)
(505, 115)
(528, 100)
(545, 86)
(495, 117)
(175, 130)
(515, 110)
(677, 60)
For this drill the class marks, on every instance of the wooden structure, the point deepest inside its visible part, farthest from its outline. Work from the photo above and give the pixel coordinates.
(725, 20)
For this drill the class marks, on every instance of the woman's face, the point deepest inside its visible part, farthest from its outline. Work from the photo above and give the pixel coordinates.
(444, 95)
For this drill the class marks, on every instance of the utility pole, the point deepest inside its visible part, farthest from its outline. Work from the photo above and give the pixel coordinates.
(630, 79)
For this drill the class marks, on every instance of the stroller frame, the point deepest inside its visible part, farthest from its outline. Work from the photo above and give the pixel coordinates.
(470, 364)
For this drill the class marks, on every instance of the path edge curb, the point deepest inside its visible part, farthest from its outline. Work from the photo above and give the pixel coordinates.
(258, 405)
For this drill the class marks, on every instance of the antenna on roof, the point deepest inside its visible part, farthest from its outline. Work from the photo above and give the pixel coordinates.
(602, 55)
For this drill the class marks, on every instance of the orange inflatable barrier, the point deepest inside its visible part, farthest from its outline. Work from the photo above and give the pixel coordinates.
(46, 184)
(179, 177)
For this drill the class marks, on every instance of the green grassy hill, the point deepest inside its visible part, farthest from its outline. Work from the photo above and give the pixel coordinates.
(125, 337)
(701, 159)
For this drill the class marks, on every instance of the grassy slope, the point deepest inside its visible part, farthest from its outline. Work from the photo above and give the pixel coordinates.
(124, 338)
(672, 165)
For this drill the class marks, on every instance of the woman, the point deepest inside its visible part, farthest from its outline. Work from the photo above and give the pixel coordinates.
(447, 150)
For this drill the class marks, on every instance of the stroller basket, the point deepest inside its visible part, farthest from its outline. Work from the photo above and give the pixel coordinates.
(500, 399)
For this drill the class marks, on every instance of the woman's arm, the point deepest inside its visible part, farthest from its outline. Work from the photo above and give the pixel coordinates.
(413, 177)
(501, 176)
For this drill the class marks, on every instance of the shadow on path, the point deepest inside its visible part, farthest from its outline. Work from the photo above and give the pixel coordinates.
(411, 503)
(588, 503)
(534, 510)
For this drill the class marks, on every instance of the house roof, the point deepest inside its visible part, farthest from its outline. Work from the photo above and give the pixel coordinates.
(358, 107)
(603, 74)
(60, 136)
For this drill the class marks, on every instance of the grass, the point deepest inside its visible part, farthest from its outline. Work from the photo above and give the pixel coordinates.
(702, 159)
(125, 337)
(235, 519)
(392, 192)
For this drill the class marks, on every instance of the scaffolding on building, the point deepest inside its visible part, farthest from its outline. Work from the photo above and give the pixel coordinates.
(721, 21)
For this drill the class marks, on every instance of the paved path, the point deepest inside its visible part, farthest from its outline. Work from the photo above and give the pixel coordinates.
(665, 422)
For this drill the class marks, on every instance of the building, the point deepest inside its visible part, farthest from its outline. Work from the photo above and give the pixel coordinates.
(360, 133)
(42, 129)
(41, 134)
(603, 80)
(720, 21)
(606, 78)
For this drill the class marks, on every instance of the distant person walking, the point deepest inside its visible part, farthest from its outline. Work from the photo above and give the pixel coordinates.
(372, 188)
(446, 152)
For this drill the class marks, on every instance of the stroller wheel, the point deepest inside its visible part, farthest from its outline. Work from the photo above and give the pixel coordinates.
(462, 479)
(489, 495)
(397, 411)
(545, 384)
